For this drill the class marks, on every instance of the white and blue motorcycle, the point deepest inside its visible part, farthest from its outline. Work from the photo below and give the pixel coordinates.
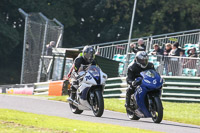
(89, 95)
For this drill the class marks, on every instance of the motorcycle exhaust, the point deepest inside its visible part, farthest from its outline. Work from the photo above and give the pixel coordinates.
(71, 101)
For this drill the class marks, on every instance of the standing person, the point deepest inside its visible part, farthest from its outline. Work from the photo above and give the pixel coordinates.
(168, 48)
(174, 61)
(175, 50)
(83, 60)
(138, 65)
(181, 61)
(141, 46)
(49, 48)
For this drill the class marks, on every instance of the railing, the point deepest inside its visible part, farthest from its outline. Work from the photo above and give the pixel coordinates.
(109, 49)
(184, 38)
(176, 89)
(166, 65)
(176, 66)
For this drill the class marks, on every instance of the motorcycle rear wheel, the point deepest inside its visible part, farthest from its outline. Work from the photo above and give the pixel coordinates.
(131, 115)
(158, 110)
(98, 104)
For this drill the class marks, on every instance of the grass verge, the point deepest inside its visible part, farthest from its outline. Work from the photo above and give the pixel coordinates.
(178, 112)
(17, 121)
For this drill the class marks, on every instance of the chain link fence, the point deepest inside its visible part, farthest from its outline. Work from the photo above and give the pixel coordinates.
(39, 32)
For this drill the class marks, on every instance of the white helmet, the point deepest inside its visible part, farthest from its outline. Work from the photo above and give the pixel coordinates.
(141, 59)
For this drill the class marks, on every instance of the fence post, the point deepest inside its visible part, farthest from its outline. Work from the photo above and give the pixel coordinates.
(44, 44)
(62, 30)
(24, 43)
(129, 40)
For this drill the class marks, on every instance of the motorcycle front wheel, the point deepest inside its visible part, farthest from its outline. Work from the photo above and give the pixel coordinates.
(98, 104)
(73, 108)
(157, 112)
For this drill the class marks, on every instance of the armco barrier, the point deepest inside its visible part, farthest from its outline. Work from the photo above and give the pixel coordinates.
(51, 88)
(179, 89)
(41, 88)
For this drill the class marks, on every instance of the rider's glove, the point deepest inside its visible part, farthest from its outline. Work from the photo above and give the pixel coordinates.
(137, 81)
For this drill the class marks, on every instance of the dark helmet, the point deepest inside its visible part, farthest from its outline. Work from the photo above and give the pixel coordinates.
(141, 59)
(88, 53)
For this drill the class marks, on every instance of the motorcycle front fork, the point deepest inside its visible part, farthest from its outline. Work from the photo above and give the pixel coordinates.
(92, 98)
(151, 107)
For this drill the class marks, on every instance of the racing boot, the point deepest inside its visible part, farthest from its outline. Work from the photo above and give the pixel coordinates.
(128, 98)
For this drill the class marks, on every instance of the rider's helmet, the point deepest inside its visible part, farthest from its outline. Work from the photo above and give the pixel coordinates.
(141, 59)
(88, 53)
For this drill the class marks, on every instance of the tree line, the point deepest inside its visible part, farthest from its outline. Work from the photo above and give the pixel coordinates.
(89, 22)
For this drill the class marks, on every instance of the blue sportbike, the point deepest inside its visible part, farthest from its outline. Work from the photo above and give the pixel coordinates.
(145, 102)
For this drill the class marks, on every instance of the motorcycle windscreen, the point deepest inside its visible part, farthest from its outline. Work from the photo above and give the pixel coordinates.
(151, 79)
(95, 73)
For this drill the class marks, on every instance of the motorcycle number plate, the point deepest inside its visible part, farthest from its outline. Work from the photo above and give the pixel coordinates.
(88, 77)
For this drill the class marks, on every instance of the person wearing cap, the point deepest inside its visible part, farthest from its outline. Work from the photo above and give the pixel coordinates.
(141, 46)
(192, 52)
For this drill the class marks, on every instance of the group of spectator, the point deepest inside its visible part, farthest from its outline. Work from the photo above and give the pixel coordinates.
(172, 64)
(169, 50)
(173, 50)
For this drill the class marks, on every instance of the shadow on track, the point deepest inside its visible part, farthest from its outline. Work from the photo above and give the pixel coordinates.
(148, 122)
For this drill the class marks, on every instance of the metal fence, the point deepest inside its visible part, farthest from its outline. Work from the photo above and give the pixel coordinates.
(177, 66)
(109, 49)
(38, 32)
(187, 37)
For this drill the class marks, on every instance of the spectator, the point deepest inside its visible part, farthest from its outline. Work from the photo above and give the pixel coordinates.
(174, 62)
(141, 46)
(192, 52)
(168, 48)
(49, 48)
(182, 53)
(181, 61)
(175, 50)
(157, 50)
(191, 63)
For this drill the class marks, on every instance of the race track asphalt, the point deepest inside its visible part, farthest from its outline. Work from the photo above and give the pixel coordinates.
(61, 109)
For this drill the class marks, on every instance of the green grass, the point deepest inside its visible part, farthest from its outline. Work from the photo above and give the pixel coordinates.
(188, 113)
(178, 112)
(17, 121)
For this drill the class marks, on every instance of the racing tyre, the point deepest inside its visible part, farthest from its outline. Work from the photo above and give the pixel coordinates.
(98, 104)
(157, 112)
(131, 115)
(73, 108)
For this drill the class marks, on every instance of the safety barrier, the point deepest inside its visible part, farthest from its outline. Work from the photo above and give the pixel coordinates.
(176, 89)
(41, 88)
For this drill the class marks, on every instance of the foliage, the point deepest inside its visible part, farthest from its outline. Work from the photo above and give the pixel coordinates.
(94, 21)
